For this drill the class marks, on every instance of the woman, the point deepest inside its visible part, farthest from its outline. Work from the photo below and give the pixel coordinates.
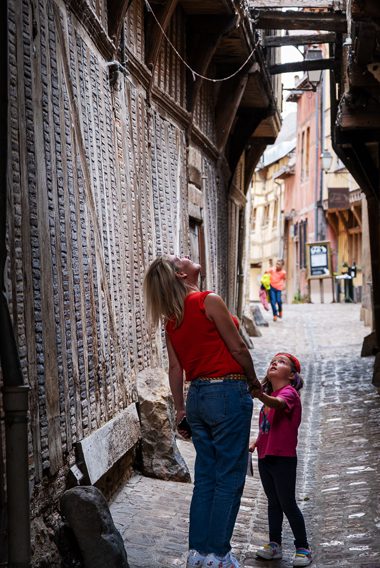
(202, 339)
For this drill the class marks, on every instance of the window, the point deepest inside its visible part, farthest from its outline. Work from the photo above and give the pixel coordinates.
(307, 152)
(253, 219)
(302, 236)
(303, 156)
(197, 245)
(275, 213)
(266, 216)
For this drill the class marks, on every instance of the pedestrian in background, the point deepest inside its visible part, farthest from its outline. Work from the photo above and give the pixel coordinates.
(277, 283)
(202, 339)
(264, 290)
(276, 445)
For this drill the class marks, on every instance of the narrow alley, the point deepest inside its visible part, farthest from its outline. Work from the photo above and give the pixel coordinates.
(338, 457)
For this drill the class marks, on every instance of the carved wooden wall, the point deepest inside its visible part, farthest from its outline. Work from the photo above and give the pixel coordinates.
(97, 187)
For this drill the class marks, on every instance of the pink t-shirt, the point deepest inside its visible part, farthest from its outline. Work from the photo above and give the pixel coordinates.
(278, 428)
(277, 278)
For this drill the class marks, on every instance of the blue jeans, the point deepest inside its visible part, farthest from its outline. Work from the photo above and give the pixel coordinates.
(278, 476)
(219, 414)
(275, 300)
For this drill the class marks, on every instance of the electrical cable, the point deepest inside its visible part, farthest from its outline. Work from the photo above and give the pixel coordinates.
(192, 71)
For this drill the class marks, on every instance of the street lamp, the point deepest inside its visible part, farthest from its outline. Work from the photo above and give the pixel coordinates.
(326, 159)
(314, 77)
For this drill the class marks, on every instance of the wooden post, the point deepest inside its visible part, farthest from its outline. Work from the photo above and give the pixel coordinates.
(321, 290)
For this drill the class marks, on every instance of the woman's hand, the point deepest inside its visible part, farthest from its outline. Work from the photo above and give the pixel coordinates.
(252, 446)
(180, 414)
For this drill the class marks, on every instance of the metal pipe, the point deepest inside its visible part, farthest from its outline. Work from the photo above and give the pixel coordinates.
(15, 393)
(316, 181)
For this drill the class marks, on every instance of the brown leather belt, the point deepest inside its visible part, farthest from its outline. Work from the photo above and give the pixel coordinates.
(232, 376)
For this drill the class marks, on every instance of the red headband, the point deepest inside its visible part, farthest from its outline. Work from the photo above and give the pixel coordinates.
(293, 359)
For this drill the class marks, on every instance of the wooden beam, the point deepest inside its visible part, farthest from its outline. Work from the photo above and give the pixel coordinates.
(344, 220)
(247, 122)
(357, 216)
(306, 65)
(291, 20)
(253, 154)
(228, 103)
(303, 39)
(206, 33)
(116, 10)
(368, 169)
(334, 4)
(155, 36)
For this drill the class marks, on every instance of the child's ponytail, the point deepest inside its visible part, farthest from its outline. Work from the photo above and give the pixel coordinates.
(297, 381)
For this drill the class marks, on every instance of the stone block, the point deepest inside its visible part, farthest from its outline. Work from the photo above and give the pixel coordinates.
(99, 451)
(258, 317)
(369, 346)
(376, 372)
(161, 457)
(87, 513)
(250, 326)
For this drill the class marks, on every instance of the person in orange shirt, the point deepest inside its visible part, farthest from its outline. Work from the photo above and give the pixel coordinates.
(277, 283)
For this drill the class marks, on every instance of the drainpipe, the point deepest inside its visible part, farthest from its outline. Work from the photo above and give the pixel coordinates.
(317, 152)
(15, 392)
(321, 231)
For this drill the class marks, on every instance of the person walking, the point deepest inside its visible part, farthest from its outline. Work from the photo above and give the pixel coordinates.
(202, 339)
(276, 446)
(277, 283)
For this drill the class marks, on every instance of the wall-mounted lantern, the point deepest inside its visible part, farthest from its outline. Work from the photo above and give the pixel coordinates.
(314, 77)
(326, 160)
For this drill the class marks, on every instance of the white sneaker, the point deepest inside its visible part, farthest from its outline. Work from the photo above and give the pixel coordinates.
(195, 559)
(302, 557)
(270, 551)
(228, 561)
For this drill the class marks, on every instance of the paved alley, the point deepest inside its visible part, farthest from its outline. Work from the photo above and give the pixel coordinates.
(338, 457)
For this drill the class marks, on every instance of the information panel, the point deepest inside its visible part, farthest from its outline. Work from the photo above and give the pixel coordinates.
(319, 260)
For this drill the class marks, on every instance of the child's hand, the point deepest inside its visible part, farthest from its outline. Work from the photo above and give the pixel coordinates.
(252, 446)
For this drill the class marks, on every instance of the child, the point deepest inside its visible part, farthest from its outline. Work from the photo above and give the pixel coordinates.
(277, 284)
(264, 290)
(276, 445)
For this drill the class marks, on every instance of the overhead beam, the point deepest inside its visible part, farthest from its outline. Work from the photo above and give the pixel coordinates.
(116, 11)
(291, 20)
(304, 39)
(206, 33)
(334, 4)
(164, 16)
(229, 99)
(307, 65)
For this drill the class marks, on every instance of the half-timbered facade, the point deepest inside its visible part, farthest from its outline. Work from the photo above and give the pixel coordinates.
(123, 143)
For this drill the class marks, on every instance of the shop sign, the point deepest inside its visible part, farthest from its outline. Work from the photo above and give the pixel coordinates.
(319, 260)
(338, 198)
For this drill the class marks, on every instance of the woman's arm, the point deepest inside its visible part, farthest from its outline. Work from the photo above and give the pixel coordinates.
(216, 311)
(176, 382)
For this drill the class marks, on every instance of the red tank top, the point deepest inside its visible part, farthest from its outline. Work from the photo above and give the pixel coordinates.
(198, 344)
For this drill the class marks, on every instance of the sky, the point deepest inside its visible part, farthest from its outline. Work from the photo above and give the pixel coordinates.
(289, 54)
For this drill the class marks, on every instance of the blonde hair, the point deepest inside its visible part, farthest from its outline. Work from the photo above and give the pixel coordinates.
(164, 292)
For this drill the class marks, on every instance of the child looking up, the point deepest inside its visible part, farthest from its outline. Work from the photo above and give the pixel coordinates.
(276, 445)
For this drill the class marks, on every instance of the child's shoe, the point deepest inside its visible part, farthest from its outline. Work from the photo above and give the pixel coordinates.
(195, 559)
(228, 561)
(270, 551)
(302, 557)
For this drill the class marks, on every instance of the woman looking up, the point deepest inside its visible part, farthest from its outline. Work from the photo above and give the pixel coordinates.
(202, 340)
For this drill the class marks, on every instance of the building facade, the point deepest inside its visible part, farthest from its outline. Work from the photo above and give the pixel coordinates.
(117, 153)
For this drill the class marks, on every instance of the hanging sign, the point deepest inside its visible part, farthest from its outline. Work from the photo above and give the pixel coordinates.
(319, 260)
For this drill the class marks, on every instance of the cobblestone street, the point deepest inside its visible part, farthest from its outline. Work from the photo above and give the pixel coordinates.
(338, 457)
